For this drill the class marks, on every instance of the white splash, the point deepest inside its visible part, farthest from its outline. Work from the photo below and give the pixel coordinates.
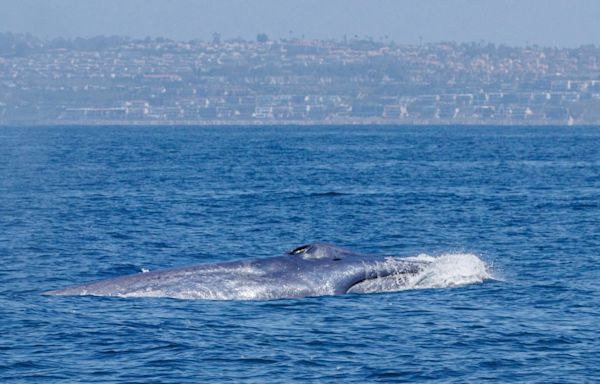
(452, 270)
(444, 271)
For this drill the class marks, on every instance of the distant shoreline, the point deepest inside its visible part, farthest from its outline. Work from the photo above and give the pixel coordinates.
(157, 82)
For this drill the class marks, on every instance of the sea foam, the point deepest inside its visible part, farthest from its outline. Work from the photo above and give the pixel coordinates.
(444, 271)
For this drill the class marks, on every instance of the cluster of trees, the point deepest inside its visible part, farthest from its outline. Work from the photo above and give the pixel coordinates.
(17, 44)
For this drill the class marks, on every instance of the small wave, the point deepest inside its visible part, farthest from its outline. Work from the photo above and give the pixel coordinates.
(328, 194)
(444, 271)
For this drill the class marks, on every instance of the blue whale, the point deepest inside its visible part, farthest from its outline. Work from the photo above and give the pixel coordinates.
(310, 270)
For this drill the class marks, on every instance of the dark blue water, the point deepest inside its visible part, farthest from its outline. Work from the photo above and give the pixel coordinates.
(78, 204)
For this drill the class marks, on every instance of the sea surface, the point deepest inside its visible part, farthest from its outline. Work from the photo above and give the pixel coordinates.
(83, 203)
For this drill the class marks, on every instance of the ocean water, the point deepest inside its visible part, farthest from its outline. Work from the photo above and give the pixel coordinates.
(518, 208)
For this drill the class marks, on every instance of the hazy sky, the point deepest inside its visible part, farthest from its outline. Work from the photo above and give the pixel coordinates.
(517, 22)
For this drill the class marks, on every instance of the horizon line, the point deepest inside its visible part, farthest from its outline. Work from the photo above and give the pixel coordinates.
(384, 41)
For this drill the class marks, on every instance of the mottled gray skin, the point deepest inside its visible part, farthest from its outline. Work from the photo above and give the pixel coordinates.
(311, 270)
